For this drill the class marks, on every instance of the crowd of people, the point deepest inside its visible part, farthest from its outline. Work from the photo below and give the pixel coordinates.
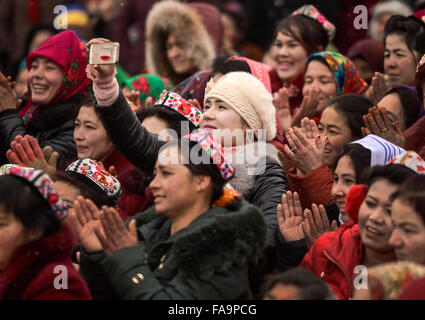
(201, 166)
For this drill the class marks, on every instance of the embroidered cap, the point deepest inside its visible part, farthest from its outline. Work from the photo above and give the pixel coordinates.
(214, 150)
(182, 106)
(312, 12)
(411, 160)
(43, 183)
(98, 175)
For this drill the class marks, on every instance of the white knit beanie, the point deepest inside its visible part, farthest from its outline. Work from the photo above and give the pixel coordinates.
(248, 96)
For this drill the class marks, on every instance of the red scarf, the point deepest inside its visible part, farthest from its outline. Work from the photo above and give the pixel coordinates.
(68, 51)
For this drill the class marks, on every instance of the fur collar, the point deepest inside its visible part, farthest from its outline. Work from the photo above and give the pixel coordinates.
(216, 240)
(189, 30)
(256, 156)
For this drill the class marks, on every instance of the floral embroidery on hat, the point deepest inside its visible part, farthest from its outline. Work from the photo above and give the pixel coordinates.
(182, 106)
(215, 151)
(97, 174)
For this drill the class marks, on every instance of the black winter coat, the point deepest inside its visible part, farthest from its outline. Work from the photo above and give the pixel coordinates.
(53, 126)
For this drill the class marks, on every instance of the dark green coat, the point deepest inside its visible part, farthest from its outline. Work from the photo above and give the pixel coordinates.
(206, 260)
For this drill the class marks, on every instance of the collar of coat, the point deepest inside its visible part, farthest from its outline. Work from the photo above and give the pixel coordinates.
(215, 241)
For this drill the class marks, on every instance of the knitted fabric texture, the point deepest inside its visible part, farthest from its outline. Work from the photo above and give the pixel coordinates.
(249, 98)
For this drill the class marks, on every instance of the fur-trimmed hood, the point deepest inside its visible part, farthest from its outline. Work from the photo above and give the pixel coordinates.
(189, 30)
(256, 156)
(215, 241)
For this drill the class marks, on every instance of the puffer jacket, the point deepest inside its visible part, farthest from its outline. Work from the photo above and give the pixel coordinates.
(206, 260)
(333, 258)
(53, 126)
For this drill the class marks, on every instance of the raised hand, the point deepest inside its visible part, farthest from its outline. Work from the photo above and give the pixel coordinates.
(378, 122)
(290, 217)
(281, 103)
(308, 107)
(195, 103)
(86, 219)
(378, 88)
(316, 223)
(134, 97)
(305, 154)
(27, 152)
(309, 129)
(116, 235)
(99, 71)
(7, 95)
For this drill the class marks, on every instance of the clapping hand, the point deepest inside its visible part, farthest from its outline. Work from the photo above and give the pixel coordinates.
(316, 223)
(116, 235)
(304, 153)
(290, 217)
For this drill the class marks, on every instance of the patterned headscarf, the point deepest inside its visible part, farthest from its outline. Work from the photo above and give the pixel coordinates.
(149, 85)
(68, 51)
(345, 73)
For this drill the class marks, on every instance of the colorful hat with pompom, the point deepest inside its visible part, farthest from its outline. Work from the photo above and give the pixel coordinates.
(43, 183)
(97, 174)
(214, 150)
(182, 106)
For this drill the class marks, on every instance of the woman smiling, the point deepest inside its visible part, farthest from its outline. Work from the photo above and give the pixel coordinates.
(57, 84)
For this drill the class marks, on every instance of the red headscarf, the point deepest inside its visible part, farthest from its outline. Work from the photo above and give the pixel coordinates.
(68, 51)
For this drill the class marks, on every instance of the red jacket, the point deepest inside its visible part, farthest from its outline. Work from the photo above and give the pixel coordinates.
(315, 187)
(31, 275)
(136, 197)
(333, 258)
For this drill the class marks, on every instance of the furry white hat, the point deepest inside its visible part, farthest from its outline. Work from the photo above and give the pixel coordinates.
(249, 98)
